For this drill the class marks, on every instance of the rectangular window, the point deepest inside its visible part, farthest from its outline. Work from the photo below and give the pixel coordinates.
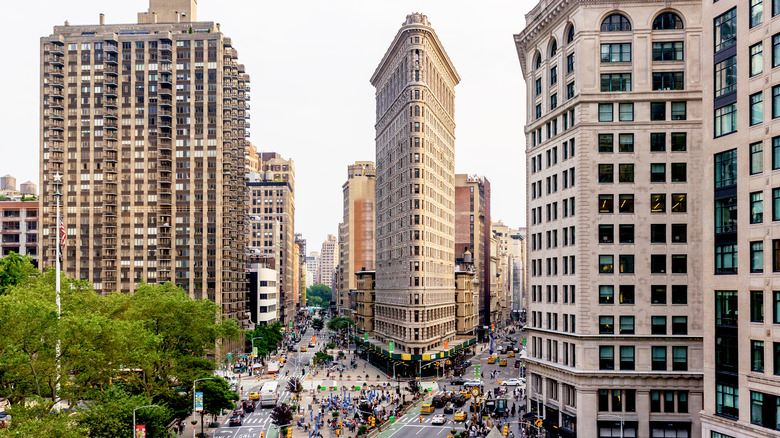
(626, 234)
(679, 325)
(626, 325)
(658, 142)
(775, 255)
(757, 257)
(664, 81)
(606, 325)
(626, 203)
(679, 233)
(626, 293)
(679, 294)
(727, 400)
(756, 306)
(659, 358)
(776, 101)
(756, 158)
(570, 90)
(606, 294)
(668, 51)
(756, 207)
(606, 357)
(626, 173)
(553, 75)
(679, 203)
(538, 112)
(776, 358)
(657, 172)
(726, 308)
(606, 203)
(606, 264)
(657, 111)
(679, 111)
(680, 358)
(626, 264)
(605, 112)
(679, 141)
(726, 215)
(726, 117)
(757, 356)
(626, 357)
(553, 102)
(657, 233)
(616, 82)
(658, 263)
(775, 307)
(658, 203)
(775, 49)
(756, 12)
(658, 325)
(679, 264)
(726, 168)
(538, 86)
(606, 233)
(725, 259)
(606, 173)
(678, 172)
(726, 76)
(655, 401)
(775, 153)
(726, 30)
(756, 59)
(606, 142)
(616, 52)
(569, 63)
(626, 112)
(658, 295)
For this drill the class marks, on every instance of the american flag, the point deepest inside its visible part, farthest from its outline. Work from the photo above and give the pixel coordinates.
(63, 235)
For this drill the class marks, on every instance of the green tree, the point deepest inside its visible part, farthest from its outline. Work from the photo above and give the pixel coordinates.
(319, 295)
(340, 323)
(111, 414)
(294, 386)
(36, 420)
(15, 269)
(217, 395)
(321, 356)
(269, 337)
(317, 324)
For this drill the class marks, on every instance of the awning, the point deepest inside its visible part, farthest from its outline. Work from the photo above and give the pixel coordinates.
(531, 416)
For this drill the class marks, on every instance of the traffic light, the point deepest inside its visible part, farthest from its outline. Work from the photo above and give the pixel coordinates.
(289, 432)
(506, 430)
(262, 434)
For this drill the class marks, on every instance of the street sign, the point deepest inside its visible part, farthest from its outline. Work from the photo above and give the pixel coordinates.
(198, 402)
(446, 344)
(476, 371)
(538, 422)
(365, 336)
(390, 346)
(254, 352)
(290, 324)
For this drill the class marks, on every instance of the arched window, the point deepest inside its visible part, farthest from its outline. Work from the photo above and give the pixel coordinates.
(615, 23)
(667, 20)
(570, 35)
(553, 48)
(538, 61)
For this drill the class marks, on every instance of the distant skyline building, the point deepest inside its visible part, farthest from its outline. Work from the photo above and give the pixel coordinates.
(328, 262)
(356, 231)
(147, 124)
(19, 228)
(415, 194)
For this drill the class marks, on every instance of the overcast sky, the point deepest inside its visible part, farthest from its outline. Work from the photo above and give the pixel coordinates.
(310, 63)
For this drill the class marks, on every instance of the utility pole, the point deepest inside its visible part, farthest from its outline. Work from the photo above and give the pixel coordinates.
(58, 243)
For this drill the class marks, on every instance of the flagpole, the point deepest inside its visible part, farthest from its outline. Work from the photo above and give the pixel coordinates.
(58, 240)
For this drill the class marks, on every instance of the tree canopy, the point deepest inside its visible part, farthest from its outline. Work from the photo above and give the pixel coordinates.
(340, 323)
(319, 295)
(267, 338)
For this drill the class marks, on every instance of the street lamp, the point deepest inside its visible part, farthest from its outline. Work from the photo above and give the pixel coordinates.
(58, 224)
(194, 400)
(135, 409)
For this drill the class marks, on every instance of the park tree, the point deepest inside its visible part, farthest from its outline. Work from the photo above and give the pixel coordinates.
(15, 269)
(319, 295)
(111, 414)
(267, 338)
(317, 324)
(37, 420)
(294, 386)
(340, 323)
(281, 415)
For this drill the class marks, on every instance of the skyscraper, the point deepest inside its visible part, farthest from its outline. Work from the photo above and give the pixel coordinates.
(614, 177)
(356, 231)
(415, 193)
(147, 123)
(329, 258)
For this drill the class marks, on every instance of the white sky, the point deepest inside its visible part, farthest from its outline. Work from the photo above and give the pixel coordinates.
(310, 62)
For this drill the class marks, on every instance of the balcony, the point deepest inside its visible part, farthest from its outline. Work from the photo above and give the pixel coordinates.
(53, 91)
(111, 69)
(164, 145)
(55, 82)
(54, 70)
(111, 59)
(166, 47)
(164, 79)
(58, 49)
(56, 103)
(108, 47)
(110, 135)
(165, 90)
(110, 113)
(110, 102)
(164, 133)
(109, 80)
(110, 123)
(167, 101)
(57, 125)
(110, 167)
(54, 135)
(109, 90)
(109, 145)
(110, 156)
(164, 113)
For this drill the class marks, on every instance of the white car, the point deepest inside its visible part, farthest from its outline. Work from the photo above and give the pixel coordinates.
(438, 419)
(475, 382)
(512, 382)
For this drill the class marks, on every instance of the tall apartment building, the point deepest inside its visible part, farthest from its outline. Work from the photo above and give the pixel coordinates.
(356, 231)
(312, 267)
(271, 221)
(415, 191)
(301, 275)
(509, 246)
(614, 171)
(19, 228)
(329, 258)
(146, 122)
(472, 233)
(741, 250)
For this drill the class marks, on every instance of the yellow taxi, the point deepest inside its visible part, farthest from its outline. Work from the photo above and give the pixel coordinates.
(492, 360)
(466, 394)
(254, 395)
(303, 349)
(511, 354)
(282, 360)
(460, 415)
(426, 408)
(502, 363)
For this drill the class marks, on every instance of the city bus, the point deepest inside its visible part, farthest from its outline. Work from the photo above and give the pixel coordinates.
(268, 393)
(273, 367)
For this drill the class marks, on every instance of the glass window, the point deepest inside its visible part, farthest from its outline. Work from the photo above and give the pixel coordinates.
(756, 59)
(605, 173)
(658, 325)
(538, 86)
(626, 293)
(776, 101)
(570, 63)
(606, 203)
(756, 407)
(726, 29)
(775, 50)
(776, 355)
(605, 112)
(680, 358)
(726, 76)
(606, 357)
(678, 172)
(657, 233)
(668, 81)
(679, 294)
(756, 12)
(726, 308)
(655, 401)
(626, 263)
(658, 295)
(616, 23)
(626, 143)
(725, 259)
(756, 158)
(620, 52)
(756, 108)
(605, 142)
(727, 400)
(757, 356)
(666, 21)
(570, 90)
(538, 111)
(657, 110)
(658, 203)
(616, 82)
(606, 264)
(570, 35)
(679, 325)
(538, 61)
(658, 142)
(756, 306)
(606, 325)
(658, 172)
(606, 294)
(776, 152)
(775, 307)
(726, 215)
(606, 233)
(668, 51)
(756, 257)
(553, 48)
(726, 117)
(679, 202)
(679, 233)
(626, 112)
(658, 263)
(626, 173)
(679, 141)
(679, 110)
(776, 204)
(626, 203)
(726, 168)
(756, 207)
(553, 75)
(659, 358)
(626, 357)
(679, 263)
(553, 101)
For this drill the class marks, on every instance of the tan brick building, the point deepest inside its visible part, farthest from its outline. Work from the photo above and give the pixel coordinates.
(614, 214)
(147, 123)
